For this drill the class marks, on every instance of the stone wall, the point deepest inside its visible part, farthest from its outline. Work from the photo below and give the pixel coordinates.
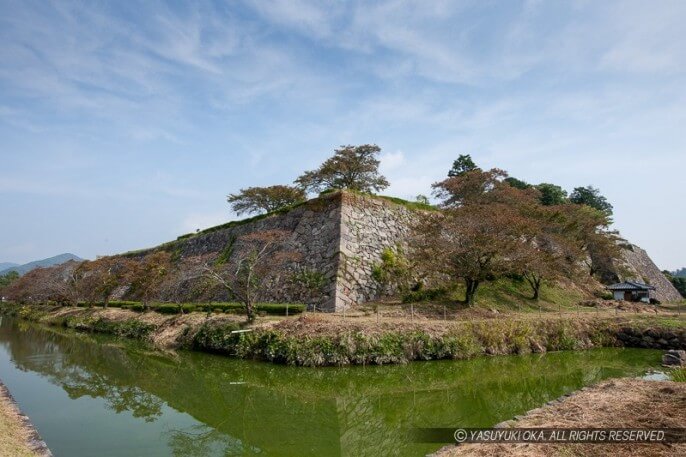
(312, 234)
(652, 338)
(368, 226)
(638, 266)
(342, 236)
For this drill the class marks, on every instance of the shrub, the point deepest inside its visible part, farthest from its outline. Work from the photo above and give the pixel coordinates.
(279, 309)
(138, 307)
(216, 337)
(128, 329)
(603, 294)
(188, 308)
(170, 308)
(426, 295)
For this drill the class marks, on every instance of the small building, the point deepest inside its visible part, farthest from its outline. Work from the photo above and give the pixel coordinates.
(631, 291)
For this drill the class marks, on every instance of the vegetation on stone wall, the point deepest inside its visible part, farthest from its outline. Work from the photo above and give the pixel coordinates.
(263, 200)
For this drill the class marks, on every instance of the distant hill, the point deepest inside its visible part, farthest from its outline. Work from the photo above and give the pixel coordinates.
(57, 260)
(6, 265)
(680, 273)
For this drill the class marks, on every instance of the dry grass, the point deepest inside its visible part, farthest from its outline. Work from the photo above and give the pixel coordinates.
(617, 403)
(17, 439)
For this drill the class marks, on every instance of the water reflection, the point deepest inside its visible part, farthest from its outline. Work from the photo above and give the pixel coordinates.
(248, 408)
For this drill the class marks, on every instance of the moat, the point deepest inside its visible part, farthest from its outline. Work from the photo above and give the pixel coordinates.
(95, 395)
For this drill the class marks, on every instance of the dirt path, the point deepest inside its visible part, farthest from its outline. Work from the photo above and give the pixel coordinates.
(616, 403)
(18, 437)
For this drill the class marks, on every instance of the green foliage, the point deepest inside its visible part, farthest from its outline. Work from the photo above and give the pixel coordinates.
(225, 254)
(265, 199)
(168, 309)
(131, 328)
(138, 307)
(462, 165)
(679, 282)
(394, 270)
(551, 194)
(464, 341)
(416, 205)
(426, 295)
(517, 183)
(118, 303)
(277, 309)
(351, 167)
(8, 278)
(422, 199)
(591, 196)
(678, 374)
(188, 308)
(216, 337)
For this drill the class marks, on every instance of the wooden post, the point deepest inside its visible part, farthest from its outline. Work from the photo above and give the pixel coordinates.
(377, 314)
(286, 309)
(412, 311)
(445, 316)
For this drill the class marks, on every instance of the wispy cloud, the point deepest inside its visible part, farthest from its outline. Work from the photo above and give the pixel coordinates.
(168, 106)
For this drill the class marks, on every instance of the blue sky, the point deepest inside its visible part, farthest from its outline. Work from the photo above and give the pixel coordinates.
(125, 124)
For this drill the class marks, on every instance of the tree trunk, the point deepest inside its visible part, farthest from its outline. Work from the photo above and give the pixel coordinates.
(535, 284)
(250, 311)
(470, 294)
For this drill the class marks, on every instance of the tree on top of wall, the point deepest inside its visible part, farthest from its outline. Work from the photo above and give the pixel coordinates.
(351, 167)
(258, 200)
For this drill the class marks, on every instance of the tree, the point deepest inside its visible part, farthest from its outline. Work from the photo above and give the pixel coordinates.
(469, 187)
(591, 196)
(351, 167)
(423, 199)
(253, 260)
(148, 273)
(308, 285)
(106, 274)
(588, 231)
(679, 282)
(551, 194)
(462, 165)
(474, 243)
(265, 199)
(517, 183)
(546, 253)
(8, 278)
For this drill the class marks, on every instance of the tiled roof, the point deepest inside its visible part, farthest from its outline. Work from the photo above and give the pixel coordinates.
(630, 285)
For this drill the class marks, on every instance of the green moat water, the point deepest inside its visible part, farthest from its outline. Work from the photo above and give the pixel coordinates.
(92, 395)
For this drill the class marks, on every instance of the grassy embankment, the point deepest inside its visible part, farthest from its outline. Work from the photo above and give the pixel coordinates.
(318, 340)
(18, 438)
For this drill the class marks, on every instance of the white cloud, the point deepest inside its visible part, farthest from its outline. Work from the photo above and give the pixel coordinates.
(391, 161)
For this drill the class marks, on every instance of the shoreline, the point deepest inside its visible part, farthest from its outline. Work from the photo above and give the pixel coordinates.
(624, 403)
(315, 341)
(18, 432)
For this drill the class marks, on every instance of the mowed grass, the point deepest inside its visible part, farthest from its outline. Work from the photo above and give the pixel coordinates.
(511, 295)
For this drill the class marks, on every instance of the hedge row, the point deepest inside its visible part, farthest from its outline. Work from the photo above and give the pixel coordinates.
(276, 309)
